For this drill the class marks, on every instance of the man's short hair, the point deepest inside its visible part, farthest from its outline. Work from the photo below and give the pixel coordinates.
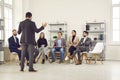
(60, 33)
(29, 14)
(85, 32)
(14, 30)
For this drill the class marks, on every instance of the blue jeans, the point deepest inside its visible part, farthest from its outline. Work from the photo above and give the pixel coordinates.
(55, 50)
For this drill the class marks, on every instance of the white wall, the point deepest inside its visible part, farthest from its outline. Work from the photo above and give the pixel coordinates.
(17, 13)
(76, 13)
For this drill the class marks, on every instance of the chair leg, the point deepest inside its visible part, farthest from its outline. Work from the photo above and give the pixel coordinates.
(88, 61)
(49, 54)
(75, 60)
(86, 58)
(98, 57)
(101, 62)
(95, 58)
(101, 59)
(82, 57)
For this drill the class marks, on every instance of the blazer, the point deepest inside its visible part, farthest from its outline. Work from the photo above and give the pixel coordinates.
(13, 45)
(87, 44)
(63, 42)
(75, 42)
(28, 29)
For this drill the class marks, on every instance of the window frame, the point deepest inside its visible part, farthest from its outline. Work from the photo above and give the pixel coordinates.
(111, 42)
(10, 7)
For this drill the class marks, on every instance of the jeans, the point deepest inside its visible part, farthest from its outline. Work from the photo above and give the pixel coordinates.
(61, 53)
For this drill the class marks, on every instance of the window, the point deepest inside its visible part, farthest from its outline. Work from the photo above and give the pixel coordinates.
(115, 1)
(8, 19)
(116, 21)
(8, 2)
(6, 10)
(0, 12)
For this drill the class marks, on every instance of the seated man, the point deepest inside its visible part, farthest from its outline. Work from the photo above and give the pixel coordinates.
(84, 45)
(59, 45)
(14, 45)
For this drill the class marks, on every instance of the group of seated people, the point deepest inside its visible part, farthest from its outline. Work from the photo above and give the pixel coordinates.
(76, 46)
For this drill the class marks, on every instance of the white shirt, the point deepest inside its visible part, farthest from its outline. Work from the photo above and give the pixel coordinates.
(15, 38)
(84, 39)
(59, 43)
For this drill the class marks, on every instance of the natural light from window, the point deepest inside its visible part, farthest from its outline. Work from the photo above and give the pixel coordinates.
(8, 19)
(116, 20)
(8, 2)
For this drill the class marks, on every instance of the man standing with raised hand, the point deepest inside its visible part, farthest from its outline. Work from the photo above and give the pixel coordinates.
(28, 29)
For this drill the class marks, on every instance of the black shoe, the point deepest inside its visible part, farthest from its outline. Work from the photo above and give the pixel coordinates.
(46, 57)
(52, 61)
(20, 63)
(34, 62)
(27, 64)
(60, 61)
(43, 61)
(22, 70)
(79, 63)
(32, 70)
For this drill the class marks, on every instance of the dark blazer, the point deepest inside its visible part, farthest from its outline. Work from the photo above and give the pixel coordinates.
(28, 29)
(13, 45)
(87, 44)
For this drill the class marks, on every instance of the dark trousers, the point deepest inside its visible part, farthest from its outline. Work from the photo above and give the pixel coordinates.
(36, 53)
(19, 54)
(71, 50)
(78, 51)
(27, 56)
(30, 49)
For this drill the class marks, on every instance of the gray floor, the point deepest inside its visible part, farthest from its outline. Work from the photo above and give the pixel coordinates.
(110, 70)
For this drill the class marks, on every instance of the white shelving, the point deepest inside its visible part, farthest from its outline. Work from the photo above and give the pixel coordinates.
(1, 41)
(97, 30)
(54, 29)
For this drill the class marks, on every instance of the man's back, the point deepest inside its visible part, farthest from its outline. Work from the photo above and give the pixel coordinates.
(28, 29)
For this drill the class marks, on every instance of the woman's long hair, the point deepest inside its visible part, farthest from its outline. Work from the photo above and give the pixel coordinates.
(41, 34)
(74, 32)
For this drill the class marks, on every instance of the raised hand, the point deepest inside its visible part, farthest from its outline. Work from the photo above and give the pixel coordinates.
(44, 24)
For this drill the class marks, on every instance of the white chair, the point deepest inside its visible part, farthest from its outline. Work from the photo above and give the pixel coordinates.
(96, 52)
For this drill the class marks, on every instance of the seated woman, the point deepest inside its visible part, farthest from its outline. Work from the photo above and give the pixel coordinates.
(42, 45)
(73, 42)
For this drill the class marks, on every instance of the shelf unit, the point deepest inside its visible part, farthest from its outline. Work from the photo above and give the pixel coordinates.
(54, 29)
(97, 30)
(1, 41)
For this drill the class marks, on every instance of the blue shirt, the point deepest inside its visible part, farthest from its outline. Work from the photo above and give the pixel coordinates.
(59, 43)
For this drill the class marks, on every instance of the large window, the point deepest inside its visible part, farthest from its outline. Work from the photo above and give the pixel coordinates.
(6, 10)
(0, 12)
(8, 23)
(8, 2)
(116, 21)
(8, 19)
